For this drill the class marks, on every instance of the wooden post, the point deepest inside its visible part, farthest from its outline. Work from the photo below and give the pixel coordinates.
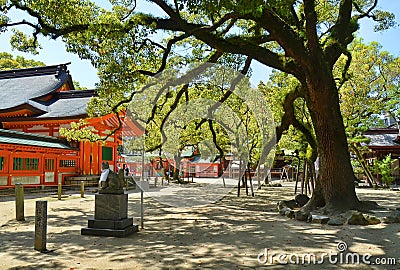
(266, 179)
(230, 169)
(297, 175)
(19, 201)
(251, 183)
(59, 191)
(240, 176)
(142, 173)
(245, 181)
(141, 208)
(304, 175)
(82, 189)
(305, 186)
(223, 180)
(313, 176)
(40, 226)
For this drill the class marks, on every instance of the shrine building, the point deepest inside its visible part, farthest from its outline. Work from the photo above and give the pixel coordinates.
(34, 104)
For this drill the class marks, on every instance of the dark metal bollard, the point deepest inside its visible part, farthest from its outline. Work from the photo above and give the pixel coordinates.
(41, 226)
(19, 201)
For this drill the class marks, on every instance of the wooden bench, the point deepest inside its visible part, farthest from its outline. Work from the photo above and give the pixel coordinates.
(89, 180)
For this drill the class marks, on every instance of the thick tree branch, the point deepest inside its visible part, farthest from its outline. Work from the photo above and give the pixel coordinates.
(341, 34)
(223, 20)
(180, 93)
(214, 137)
(341, 29)
(234, 45)
(366, 13)
(228, 93)
(311, 28)
(166, 53)
(289, 118)
(284, 35)
(296, 20)
(280, 31)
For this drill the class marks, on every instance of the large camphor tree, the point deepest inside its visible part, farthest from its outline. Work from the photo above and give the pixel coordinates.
(302, 38)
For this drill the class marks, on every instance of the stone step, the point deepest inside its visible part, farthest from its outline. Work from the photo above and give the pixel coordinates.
(110, 232)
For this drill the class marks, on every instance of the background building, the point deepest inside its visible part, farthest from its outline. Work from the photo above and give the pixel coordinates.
(34, 104)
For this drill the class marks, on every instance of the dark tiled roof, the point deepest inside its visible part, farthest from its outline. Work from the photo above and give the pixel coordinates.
(24, 88)
(383, 137)
(387, 130)
(200, 159)
(382, 140)
(22, 138)
(19, 86)
(67, 107)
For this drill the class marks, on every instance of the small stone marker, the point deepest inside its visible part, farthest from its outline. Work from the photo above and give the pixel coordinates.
(41, 226)
(59, 191)
(19, 201)
(82, 189)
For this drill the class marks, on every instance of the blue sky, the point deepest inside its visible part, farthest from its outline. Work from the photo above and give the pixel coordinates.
(53, 51)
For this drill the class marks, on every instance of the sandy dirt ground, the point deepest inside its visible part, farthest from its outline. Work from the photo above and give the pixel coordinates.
(233, 233)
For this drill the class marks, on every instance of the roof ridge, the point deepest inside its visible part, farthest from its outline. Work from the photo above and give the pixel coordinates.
(20, 134)
(76, 93)
(34, 71)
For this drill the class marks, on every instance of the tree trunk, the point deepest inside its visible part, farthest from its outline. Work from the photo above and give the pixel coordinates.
(305, 177)
(312, 176)
(335, 183)
(176, 172)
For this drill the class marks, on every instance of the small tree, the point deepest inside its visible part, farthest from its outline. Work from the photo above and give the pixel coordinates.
(384, 168)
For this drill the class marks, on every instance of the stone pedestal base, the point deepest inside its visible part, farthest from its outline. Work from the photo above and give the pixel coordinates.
(110, 217)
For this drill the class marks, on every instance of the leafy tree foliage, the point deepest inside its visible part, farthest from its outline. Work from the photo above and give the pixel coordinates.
(371, 90)
(8, 61)
(383, 167)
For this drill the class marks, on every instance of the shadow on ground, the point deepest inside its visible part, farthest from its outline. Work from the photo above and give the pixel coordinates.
(228, 234)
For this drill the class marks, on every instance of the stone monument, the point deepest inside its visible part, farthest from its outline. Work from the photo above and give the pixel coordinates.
(111, 207)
